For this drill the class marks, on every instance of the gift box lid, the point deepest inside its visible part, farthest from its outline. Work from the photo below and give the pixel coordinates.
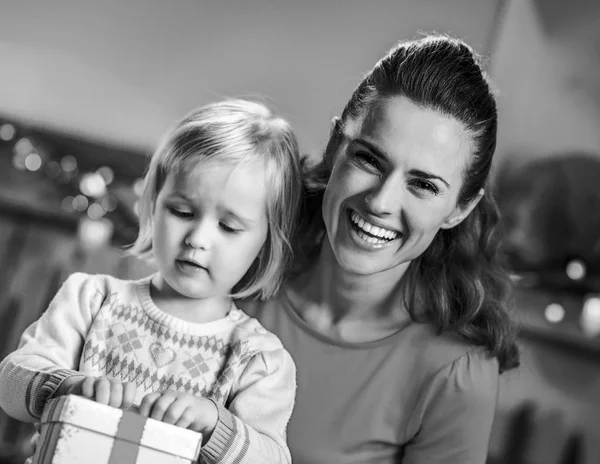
(123, 425)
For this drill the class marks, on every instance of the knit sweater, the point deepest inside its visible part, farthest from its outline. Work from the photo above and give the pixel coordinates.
(99, 325)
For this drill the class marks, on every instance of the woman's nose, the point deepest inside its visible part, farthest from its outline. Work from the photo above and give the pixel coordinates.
(385, 198)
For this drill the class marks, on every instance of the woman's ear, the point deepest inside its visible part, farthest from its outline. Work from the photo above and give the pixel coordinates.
(335, 125)
(461, 212)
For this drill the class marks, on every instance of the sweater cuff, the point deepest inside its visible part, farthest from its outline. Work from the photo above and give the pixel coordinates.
(50, 387)
(222, 437)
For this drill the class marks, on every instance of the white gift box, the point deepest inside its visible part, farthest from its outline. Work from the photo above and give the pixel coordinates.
(76, 430)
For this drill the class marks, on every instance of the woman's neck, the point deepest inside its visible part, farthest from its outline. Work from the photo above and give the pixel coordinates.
(330, 298)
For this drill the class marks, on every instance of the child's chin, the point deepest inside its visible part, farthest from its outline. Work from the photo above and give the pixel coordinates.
(196, 293)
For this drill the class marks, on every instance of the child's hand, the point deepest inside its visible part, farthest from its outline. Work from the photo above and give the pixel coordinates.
(187, 411)
(104, 390)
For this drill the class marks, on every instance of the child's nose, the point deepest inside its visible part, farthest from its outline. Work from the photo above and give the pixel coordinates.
(199, 237)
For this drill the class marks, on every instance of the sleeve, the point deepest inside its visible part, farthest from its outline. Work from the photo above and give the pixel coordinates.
(49, 350)
(455, 413)
(253, 428)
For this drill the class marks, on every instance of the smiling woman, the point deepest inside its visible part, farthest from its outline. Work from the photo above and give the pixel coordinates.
(399, 172)
(396, 312)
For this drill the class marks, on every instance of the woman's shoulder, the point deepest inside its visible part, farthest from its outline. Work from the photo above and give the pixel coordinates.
(257, 308)
(446, 352)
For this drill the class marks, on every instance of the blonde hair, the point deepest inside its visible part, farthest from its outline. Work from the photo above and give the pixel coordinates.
(233, 131)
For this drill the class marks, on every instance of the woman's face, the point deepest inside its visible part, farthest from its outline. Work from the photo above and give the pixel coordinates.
(394, 184)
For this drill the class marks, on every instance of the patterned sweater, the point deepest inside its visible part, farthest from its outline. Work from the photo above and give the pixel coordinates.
(99, 325)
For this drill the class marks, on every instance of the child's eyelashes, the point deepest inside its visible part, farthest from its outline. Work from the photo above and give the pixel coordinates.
(229, 229)
(187, 214)
(179, 212)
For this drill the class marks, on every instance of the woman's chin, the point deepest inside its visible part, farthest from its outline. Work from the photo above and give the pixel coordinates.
(353, 263)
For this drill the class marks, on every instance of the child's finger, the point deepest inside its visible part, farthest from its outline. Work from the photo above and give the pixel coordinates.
(116, 394)
(102, 390)
(187, 418)
(161, 405)
(129, 393)
(87, 387)
(174, 411)
(147, 403)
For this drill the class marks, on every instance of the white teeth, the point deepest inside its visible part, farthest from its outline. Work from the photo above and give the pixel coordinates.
(372, 229)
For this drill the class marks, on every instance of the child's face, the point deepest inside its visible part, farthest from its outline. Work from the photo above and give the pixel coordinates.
(208, 228)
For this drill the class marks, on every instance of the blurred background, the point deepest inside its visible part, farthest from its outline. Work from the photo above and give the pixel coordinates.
(87, 89)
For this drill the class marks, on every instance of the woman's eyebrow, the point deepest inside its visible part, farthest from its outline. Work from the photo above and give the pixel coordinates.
(372, 148)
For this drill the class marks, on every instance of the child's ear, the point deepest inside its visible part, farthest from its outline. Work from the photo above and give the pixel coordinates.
(460, 213)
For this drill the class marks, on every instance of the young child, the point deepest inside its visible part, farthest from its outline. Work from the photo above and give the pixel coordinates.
(216, 215)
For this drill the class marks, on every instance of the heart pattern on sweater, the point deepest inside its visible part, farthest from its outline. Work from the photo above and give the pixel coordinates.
(160, 355)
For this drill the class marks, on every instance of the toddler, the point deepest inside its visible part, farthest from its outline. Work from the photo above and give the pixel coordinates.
(217, 213)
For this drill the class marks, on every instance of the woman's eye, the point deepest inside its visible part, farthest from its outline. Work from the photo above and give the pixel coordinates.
(426, 186)
(180, 212)
(366, 159)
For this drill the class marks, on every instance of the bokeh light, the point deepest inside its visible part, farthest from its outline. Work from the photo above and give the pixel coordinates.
(92, 185)
(33, 162)
(590, 316)
(576, 269)
(23, 146)
(7, 132)
(94, 233)
(68, 163)
(109, 203)
(80, 203)
(554, 313)
(67, 204)
(95, 211)
(138, 185)
(107, 174)
(19, 161)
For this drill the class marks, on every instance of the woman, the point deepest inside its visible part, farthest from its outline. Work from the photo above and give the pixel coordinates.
(396, 314)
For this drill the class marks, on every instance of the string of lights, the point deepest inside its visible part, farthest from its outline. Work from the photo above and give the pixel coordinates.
(63, 179)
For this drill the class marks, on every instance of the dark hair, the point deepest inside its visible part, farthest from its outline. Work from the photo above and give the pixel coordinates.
(458, 283)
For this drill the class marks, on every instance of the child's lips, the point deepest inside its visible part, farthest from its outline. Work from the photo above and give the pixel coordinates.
(189, 263)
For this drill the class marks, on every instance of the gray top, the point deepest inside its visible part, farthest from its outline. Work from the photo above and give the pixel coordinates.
(413, 397)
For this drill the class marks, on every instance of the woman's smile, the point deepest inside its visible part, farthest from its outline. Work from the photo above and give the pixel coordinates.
(369, 235)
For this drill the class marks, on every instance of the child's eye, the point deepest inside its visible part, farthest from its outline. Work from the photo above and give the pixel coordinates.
(425, 185)
(230, 230)
(182, 213)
